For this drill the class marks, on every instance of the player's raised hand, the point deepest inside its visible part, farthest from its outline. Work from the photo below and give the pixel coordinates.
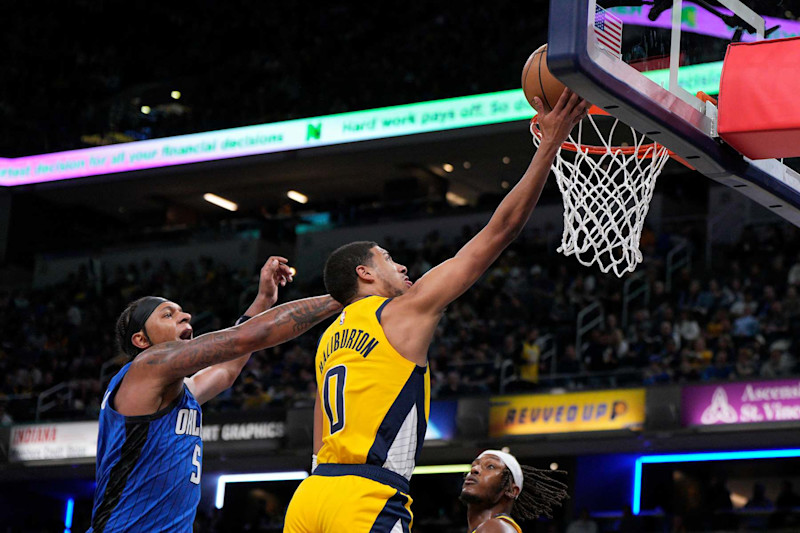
(555, 125)
(275, 273)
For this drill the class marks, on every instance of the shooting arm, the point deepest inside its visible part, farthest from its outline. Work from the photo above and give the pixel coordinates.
(443, 284)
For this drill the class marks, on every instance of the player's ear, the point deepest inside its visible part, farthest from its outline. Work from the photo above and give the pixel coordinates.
(140, 340)
(512, 491)
(365, 273)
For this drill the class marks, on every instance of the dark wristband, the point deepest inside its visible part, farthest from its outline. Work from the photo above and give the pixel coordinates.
(242, 319)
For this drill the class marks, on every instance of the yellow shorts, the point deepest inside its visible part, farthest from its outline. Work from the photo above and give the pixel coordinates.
(352, 499)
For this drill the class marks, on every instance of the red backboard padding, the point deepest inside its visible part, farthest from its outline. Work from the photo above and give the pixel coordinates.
(759, 98)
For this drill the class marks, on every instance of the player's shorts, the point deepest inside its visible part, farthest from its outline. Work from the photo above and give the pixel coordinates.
(350, 498)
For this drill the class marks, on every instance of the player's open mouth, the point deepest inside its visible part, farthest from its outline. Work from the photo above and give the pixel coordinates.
(186, 335)
(409, 283)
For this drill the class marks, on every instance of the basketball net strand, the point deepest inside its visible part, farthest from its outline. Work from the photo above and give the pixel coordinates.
(606, 198)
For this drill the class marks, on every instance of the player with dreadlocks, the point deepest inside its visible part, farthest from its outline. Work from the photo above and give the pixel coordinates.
(499, 491)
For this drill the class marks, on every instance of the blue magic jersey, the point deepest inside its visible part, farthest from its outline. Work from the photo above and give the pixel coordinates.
(148, 467)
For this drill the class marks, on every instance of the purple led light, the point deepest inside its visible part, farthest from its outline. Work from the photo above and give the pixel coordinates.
(698, 20)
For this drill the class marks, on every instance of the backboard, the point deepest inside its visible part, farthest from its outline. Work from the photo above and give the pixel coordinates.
(645, 63)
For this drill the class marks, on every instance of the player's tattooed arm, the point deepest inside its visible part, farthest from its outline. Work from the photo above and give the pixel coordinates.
(277, 325)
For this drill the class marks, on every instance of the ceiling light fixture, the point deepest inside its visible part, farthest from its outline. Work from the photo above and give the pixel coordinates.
(220, 201)
(298, 197)
(455, 199)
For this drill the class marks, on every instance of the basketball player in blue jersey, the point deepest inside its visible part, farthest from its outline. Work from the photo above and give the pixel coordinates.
(373, 384)
(149, 447)
(498, 492)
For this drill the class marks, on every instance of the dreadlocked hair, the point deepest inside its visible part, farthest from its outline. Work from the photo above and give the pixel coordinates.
(540, 493)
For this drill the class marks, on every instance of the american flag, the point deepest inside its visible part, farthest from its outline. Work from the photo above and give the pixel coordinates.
(608, 30)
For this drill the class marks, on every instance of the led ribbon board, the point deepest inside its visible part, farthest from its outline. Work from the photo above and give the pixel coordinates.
(382, 123)
(438, 115)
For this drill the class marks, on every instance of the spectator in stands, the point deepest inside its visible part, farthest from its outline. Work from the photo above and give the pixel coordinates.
(721, 369)
(720, 504)
(780, 363)
(774, 323)
(452, 387)
(570, 364)
(744, 306)
(720, 324)
(666, 330)
(531, 357)
(688, 327)
(701, 352)
(657, 372)
(689, 368)
(746, 326)
(746, 363)
(758, 503)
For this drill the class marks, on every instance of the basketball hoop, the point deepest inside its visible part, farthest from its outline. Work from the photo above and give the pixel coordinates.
(607, 190)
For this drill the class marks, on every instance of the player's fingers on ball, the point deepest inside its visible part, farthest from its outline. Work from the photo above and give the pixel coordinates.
(537, 105)
(574, 101)
(579, 111)
(566, 94)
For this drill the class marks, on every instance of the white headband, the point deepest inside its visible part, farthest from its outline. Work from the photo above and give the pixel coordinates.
(511, 462)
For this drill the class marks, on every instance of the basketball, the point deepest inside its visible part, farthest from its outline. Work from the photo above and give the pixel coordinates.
(537, 80)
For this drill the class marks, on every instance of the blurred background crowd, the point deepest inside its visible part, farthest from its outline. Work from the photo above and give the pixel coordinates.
(515, 331)
(90, 90)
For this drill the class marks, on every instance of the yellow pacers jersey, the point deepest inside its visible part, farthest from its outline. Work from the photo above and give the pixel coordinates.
(375, 402)
(508, 520)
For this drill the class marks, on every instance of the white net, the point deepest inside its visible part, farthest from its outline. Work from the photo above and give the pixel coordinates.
(607, 191)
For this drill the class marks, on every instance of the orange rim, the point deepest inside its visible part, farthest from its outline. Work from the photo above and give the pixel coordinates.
(643, 151)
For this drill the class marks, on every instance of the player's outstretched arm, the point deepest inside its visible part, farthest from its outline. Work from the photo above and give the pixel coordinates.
(446, 282)
(175, 360)
(210, 381)
(156, 376)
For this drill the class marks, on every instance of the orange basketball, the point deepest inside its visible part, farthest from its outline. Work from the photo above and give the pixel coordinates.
(537, 80)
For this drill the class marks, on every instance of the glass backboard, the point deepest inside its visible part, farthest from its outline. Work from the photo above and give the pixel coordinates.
(644, 63)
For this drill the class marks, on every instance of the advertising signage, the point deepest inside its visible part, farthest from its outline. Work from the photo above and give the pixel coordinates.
(567, 413)
(741, 403)
(53, 442)
(371, 124)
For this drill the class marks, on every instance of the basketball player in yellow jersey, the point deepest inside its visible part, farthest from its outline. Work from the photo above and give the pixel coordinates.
(497, 490)
(373, 387)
